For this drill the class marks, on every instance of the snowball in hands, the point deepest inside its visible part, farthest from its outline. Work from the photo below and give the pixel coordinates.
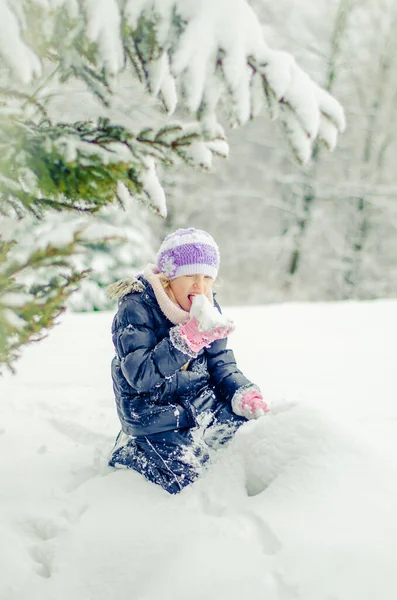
(206, 324)
(208, 316)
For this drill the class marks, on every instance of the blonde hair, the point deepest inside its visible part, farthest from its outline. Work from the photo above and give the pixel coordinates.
(165, 282)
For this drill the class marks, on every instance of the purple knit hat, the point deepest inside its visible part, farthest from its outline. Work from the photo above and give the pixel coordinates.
(188, 252)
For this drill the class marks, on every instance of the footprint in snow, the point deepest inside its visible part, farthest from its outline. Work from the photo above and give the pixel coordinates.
(41, 531)
(42, 557)
(41, 528)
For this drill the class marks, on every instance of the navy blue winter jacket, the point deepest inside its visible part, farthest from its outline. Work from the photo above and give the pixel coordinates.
(152, 393)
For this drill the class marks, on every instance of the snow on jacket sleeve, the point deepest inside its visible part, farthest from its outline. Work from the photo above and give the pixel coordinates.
(145, 363)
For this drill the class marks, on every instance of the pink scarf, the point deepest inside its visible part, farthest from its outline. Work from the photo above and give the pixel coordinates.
(172, 311)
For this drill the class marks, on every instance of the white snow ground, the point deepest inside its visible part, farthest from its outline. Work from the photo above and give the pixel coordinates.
(302, 505)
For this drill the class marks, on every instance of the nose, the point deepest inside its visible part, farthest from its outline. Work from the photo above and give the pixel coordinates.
(198, 284)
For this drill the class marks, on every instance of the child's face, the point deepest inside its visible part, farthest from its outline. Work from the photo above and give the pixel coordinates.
(187, 286)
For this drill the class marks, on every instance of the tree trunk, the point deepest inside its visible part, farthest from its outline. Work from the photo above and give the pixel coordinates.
(357, 243)
(308, 198)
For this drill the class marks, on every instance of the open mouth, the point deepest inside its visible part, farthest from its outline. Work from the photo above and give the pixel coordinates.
(190, 298)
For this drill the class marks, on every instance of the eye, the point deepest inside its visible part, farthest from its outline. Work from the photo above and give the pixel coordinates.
(208, 278)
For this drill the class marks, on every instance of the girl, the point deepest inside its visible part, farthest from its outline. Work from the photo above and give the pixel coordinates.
(179, 393)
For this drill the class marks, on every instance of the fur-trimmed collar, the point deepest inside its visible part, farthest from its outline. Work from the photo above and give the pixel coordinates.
(125, 286)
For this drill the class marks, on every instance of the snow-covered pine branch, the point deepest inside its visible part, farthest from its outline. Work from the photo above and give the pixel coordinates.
(78, 166)
(34, 287)
(209, 57)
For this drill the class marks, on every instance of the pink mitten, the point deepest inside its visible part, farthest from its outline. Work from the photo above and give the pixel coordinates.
(249, 403)
(196, 339)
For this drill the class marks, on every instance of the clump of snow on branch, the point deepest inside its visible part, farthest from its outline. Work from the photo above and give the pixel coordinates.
(17, 55)
(104, 28)
(152, 187)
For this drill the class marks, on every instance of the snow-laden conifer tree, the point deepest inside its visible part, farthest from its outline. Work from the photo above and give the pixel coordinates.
(207, 58)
